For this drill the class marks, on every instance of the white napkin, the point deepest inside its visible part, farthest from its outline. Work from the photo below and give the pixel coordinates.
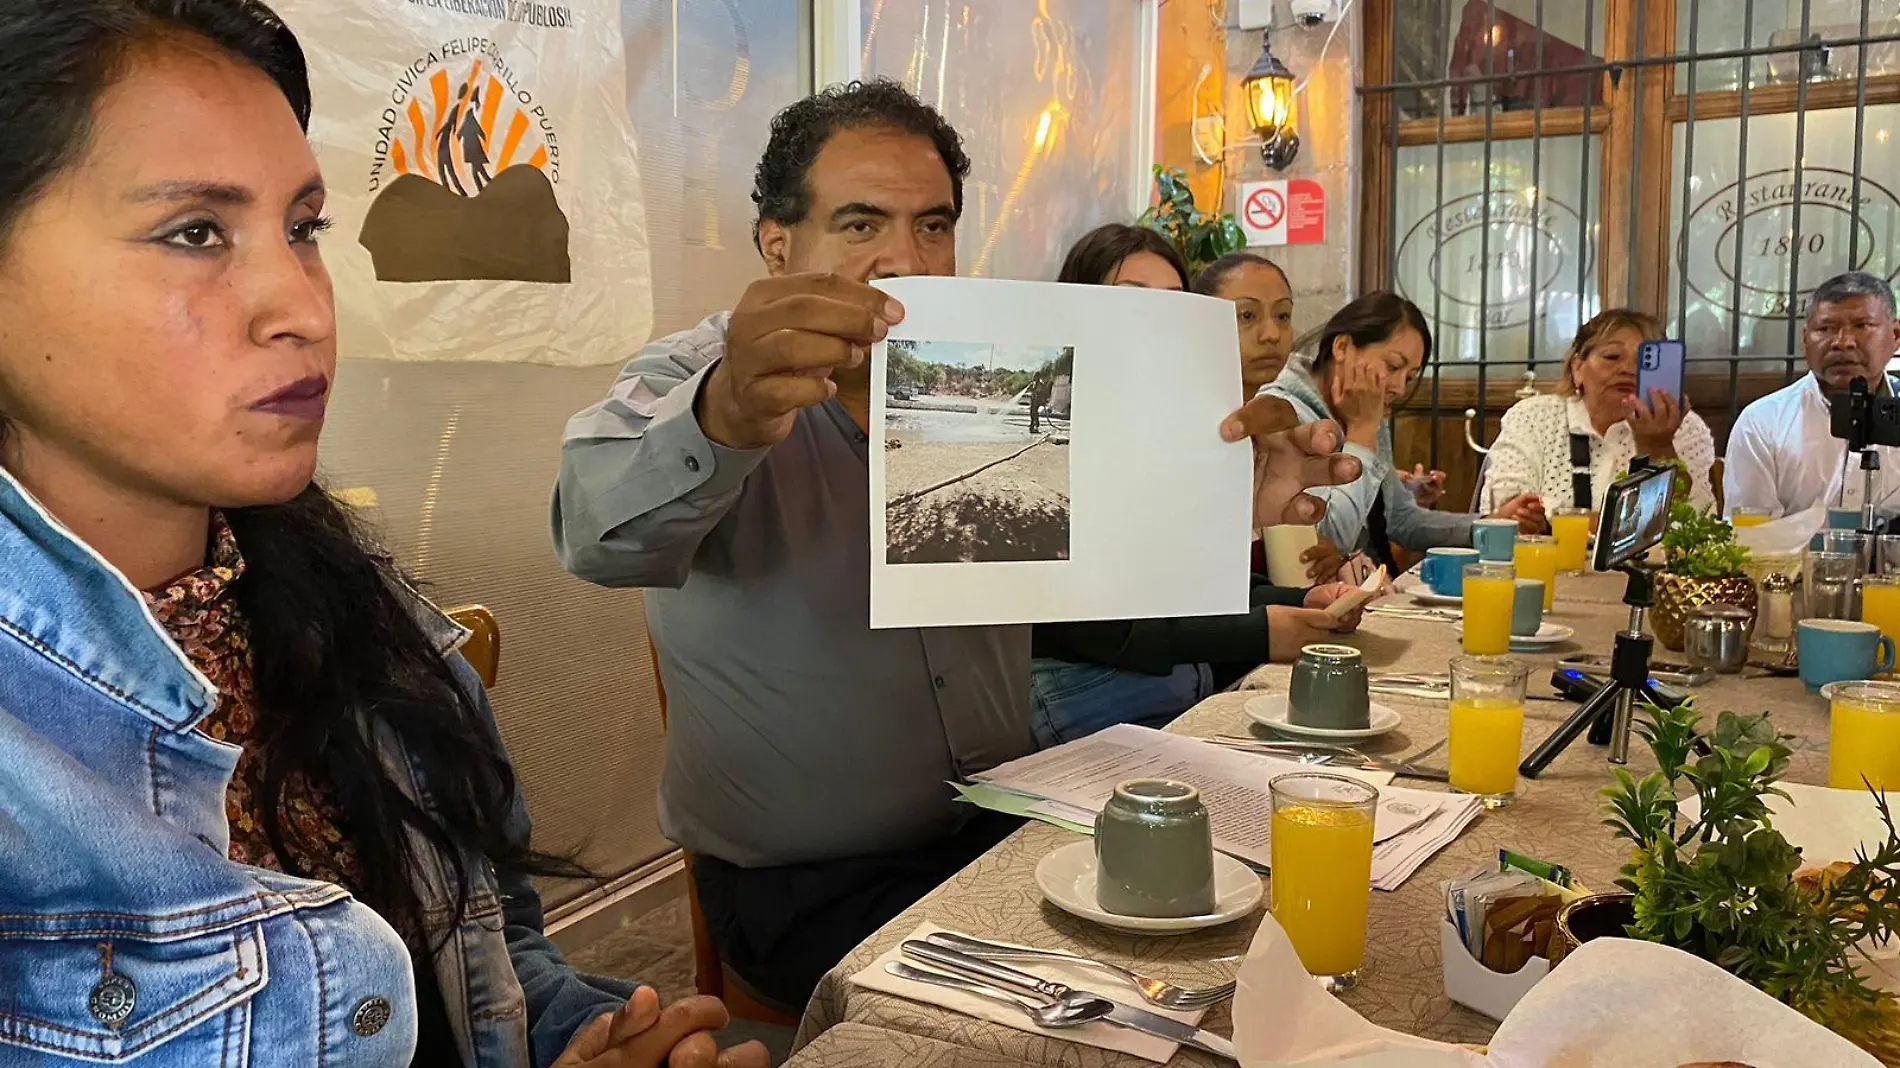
(1615, 1003)
(1098, 1034)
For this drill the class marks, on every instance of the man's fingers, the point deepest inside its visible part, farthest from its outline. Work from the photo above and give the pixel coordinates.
(1263, 415)
(750, 1055)
(784, 394)
(697, 1050)
(1304, 509)
(641, 1011)
(859, 320)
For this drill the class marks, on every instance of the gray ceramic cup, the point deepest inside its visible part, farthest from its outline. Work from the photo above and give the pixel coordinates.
(1328, 690)
(1527, 610)
(1154, 851)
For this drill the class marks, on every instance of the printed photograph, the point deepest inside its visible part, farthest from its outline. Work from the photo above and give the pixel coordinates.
(976, 452)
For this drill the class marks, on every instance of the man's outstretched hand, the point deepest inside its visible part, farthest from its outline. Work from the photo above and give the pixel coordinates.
(1289, 459)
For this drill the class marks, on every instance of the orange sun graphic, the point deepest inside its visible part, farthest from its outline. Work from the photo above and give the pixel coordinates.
(452, 142)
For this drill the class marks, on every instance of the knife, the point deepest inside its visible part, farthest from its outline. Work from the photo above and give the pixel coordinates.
(1128, 1016)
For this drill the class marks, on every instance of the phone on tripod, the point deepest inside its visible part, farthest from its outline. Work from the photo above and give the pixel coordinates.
(1635, 515)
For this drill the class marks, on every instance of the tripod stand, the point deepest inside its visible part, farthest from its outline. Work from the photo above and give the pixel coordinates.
(1629, 678)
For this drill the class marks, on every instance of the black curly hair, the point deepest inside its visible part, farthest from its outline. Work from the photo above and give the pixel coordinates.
(801, 131)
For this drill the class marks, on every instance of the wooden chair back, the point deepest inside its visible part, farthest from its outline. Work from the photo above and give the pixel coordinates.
(483, 648)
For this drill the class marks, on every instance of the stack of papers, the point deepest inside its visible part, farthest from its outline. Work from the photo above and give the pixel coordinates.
(1069, 784)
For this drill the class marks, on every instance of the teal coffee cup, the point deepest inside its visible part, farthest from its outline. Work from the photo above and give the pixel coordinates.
(1527, 609)
(1843, 519)
(1495, 539)
(1444, 570)
(1154, 851)
(1833, 650)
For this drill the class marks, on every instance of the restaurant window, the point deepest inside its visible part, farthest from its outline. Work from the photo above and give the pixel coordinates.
(1528, 162)
(1046, 97)
(703, 81)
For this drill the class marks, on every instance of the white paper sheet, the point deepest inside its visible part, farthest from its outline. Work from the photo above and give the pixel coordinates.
(1077, 778)
(1124, 504)
(1615, 1003)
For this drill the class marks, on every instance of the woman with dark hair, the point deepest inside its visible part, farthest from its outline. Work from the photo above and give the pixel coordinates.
(1117, 254)
(1370, 355)
(1091, 675)
(255, 805)
(1263, 313)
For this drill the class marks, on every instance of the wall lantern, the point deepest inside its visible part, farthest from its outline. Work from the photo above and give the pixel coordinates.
(1269, 90)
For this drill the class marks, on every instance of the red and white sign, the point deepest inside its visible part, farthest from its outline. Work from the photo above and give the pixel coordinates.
(1289, 211)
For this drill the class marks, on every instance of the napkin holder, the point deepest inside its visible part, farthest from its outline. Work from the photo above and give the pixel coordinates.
(1471, 984)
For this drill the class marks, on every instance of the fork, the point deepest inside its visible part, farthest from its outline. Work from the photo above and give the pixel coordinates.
(1155, 991)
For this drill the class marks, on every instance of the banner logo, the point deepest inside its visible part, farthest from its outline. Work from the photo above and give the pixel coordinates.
(464, 168)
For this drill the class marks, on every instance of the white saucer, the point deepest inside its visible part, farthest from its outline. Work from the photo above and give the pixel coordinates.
(1424, 595)
(1547, 635)
(1271, 711)
(1067, 879)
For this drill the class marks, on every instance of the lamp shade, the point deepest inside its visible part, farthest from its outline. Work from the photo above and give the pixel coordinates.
(1268, 86)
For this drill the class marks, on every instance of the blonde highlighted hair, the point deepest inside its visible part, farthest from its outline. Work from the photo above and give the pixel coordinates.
(1598, 328)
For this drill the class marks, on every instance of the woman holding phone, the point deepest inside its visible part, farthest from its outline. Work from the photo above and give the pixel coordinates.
(1595, 423)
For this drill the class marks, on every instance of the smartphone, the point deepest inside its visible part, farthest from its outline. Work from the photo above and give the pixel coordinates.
(1659, 670)
(1659, 365)
(1635, 514)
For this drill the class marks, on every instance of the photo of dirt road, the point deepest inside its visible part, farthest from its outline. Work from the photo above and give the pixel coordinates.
(976, 452)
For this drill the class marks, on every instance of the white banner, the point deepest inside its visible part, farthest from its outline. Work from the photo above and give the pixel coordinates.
(481, 169)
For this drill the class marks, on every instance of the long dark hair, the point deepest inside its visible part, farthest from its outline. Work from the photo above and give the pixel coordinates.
(1369, 320)
(1093, 258)
(337, 657)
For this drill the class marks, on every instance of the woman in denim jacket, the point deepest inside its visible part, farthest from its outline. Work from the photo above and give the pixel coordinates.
(253, 807)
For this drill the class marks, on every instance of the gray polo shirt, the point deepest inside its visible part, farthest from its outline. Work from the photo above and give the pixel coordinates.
(795, 732)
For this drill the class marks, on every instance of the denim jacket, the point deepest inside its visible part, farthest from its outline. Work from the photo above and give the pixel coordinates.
(1349, 507)
(127, 936)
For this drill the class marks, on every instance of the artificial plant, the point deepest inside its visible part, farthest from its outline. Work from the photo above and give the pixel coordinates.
(1199, 237)
(1721, 883)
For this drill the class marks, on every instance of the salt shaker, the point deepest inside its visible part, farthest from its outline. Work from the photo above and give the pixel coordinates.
(1773, 643)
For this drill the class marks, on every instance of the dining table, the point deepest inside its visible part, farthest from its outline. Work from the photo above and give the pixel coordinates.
(1556, 817)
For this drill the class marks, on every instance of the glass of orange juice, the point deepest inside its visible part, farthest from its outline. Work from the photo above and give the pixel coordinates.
(1880, 603)
(1490, 592)
(1863, 742)
(1487, 726)
(1321, 856)
(1749, 517)
(1539, 558)
(1571, 528)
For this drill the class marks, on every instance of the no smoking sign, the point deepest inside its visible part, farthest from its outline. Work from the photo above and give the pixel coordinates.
(1283, 212)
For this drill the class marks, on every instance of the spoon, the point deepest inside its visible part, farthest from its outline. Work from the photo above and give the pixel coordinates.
(1069, 1012)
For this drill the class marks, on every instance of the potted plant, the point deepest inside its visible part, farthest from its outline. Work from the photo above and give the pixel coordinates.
(1723, 884)
(1199, 237)
(1702, 565)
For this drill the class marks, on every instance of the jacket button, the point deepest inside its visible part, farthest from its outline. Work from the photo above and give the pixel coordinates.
(692, 463)
(370, 1016)
(112, 1001)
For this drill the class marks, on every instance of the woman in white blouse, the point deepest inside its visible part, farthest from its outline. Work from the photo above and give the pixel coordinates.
(1597, 423)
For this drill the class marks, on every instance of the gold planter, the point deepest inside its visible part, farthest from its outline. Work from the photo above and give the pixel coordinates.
(1676, 595)
(1587, 918)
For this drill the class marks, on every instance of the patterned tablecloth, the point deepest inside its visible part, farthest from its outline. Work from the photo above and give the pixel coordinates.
(1556, 818)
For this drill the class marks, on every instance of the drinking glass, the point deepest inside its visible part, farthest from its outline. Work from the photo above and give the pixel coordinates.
(1847, 542)
(1749, 517)
(1571, 528)
(1490, 594)
(1487, 726)
(1321, 855)
(1537, 558)
(1886, 555)
(1827, 585)
(1880, 603)
(1863, 741)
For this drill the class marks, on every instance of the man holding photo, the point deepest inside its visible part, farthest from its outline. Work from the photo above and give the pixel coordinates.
(727, 472)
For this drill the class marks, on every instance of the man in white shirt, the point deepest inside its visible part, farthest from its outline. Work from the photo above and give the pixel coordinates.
(1781, 453)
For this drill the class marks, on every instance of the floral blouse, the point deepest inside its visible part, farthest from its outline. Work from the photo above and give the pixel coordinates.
(200, 614)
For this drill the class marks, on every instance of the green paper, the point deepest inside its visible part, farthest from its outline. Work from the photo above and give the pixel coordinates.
(1011, 803)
